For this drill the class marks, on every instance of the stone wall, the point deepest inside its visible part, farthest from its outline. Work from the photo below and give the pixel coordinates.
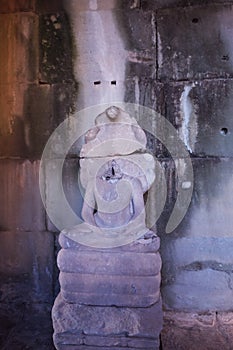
(175, 56)
(37, 89)
(194, 66)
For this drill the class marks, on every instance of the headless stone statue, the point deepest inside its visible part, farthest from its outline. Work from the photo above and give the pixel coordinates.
(116, 171)
(110, 264)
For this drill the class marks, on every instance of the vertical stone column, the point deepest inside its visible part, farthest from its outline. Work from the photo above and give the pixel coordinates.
(110, 264)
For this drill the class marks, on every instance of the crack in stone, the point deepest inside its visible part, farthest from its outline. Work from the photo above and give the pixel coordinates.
(210, 264)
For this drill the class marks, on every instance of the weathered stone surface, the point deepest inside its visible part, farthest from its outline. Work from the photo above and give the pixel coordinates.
(225, 318)
(17, 6)
(104, 263)
(22, 31)
(99, 69)
(146, 92)
(48, 7)
(46, 107)
(106, 5)
(197, 47)
(202, 119)
(199, 291)
(109, 284)
(197, 255)
(56, 50)
(104, 321)
(64, 100)
(138, 30)
(19, 66)
(72, 190)
(119, 300)
(140, 33)
(122, 342)
(109, 289)
(149, 244)
(96, 347)
(38, 105)
(188, 251)
(13, 140)
(30, 113)
(209, 214)
(23, 208)
(25, 326)
(18, 39)
(157, 4)
(188, 330)
(26, 267)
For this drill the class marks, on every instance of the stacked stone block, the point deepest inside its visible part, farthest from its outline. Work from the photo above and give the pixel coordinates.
(194, 67)
(109, 298)
(30, 108)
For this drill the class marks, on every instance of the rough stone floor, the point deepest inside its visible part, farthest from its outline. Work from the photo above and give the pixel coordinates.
(25, 327)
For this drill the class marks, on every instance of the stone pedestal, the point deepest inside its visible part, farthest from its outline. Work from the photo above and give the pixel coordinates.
(109, 298)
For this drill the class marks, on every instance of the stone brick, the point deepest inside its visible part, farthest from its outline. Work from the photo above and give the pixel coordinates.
(148, 93)
(188, 330)
(46, 107)
(106, 321)
(138, 31)
(188, 250)
(56, 49)
(48, 7)
(198, 250)
(18, 39)
(203, 120)
(157, 4)
(26, 267)
(19, 66)
(104, 263)
(13, 141)
(64, 100)
(199, 291)
(197, 47)
(54, 195)
(225, 318)
(209, 213)
(38, 105)
(22, 208)
(25, 326)
(110, 290)
(30, 113)
(17, 6)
